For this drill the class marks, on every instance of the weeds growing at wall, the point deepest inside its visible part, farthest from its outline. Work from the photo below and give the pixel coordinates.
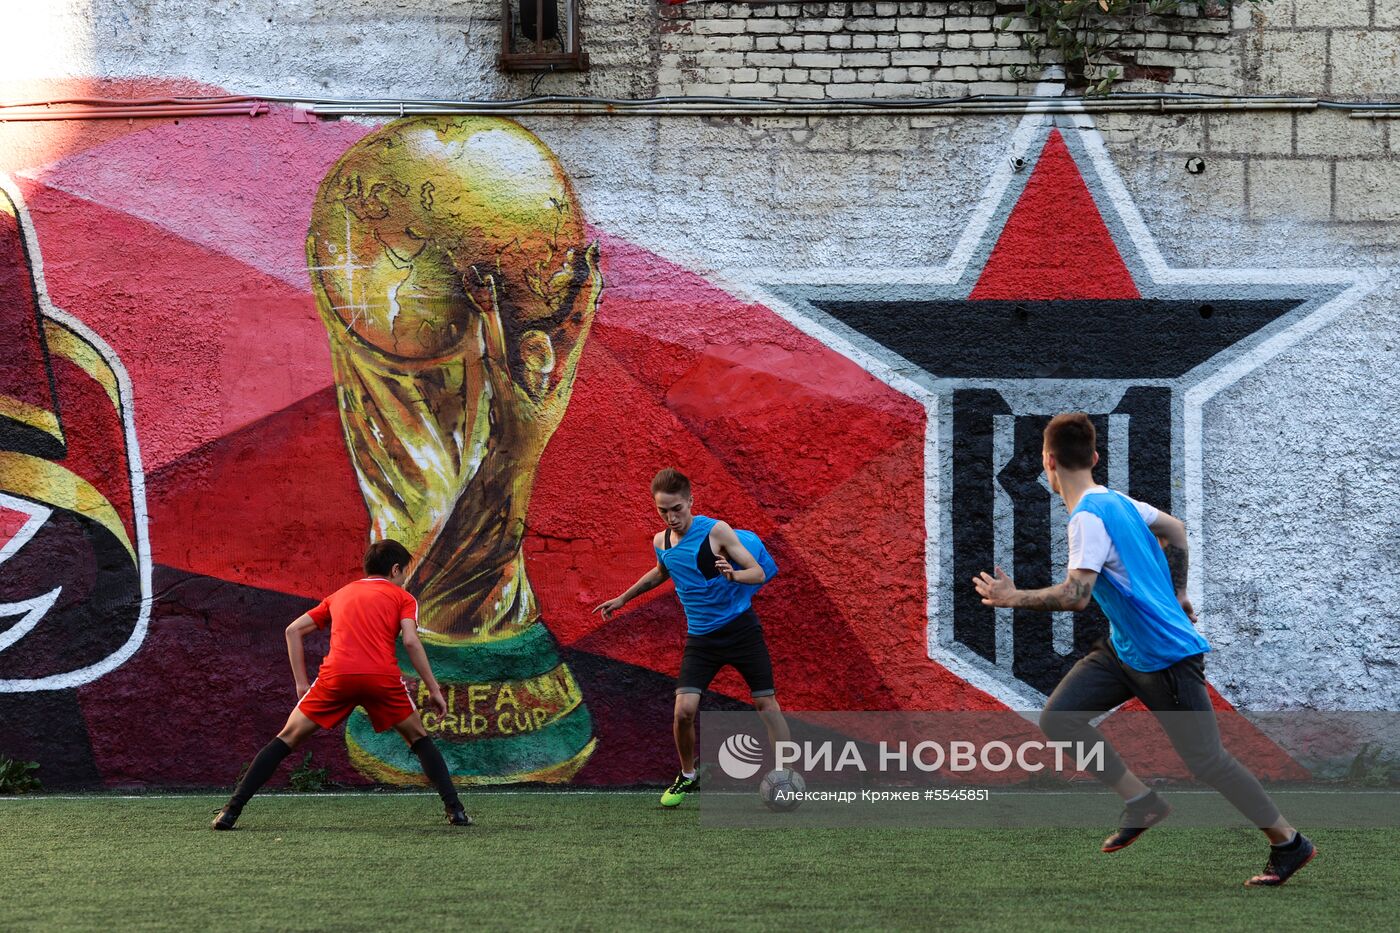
(1083, 35)
(1368, 769)
(307, 779)
(1047, 780)
(17, 777)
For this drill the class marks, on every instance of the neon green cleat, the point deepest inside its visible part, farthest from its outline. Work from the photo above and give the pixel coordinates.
(681, 786)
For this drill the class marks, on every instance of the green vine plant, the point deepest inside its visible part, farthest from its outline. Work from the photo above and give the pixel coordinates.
(306, 778)
(1082, 35)
(1369, 769)
(17, 777)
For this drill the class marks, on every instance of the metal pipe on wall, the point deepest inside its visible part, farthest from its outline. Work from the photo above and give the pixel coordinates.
(311, 109)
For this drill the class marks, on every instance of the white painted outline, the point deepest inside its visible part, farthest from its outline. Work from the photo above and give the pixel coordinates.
(30, 611)
(140, 519)
(36, 516)
(755, 285)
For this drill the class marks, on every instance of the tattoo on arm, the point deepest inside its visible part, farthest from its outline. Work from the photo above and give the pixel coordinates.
(1178, 562)
(1065, 597)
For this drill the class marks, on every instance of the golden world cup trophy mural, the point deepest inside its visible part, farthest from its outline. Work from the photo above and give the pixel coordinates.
(451, 269)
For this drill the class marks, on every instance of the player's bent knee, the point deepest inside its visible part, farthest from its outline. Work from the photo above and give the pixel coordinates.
(1060, 725)
(687, 707)
(1211, 767)
(291, 737)
(298, 729)
(411, 729)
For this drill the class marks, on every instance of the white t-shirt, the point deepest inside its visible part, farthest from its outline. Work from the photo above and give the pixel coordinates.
(1090, 547)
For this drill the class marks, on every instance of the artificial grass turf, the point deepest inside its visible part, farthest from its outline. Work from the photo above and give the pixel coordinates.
(618, 861)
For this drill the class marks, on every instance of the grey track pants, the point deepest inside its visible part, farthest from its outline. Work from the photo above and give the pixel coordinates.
(1100, 682)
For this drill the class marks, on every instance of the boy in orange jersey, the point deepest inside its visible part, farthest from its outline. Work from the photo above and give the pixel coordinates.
(366, 618)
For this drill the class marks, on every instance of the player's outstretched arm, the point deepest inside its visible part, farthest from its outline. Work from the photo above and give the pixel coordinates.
(413, 645)
(648, 581)
(733, 559)
(1072, 595)
(296, 632)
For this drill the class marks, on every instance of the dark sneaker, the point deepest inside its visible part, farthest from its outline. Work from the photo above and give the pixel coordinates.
(1137, 819)
(226, 817)
(1283, 863)
(681, 786)
(456, 816)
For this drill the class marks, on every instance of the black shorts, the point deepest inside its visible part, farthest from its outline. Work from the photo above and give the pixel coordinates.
(738, 643)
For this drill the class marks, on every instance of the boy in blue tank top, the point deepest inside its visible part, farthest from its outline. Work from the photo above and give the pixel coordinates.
(715, 575)
(1132, 558)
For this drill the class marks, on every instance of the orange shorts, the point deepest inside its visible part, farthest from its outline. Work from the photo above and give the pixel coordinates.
(333, 696)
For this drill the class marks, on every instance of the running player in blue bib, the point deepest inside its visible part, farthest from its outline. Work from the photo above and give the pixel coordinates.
(1132, 558)
(716, 573)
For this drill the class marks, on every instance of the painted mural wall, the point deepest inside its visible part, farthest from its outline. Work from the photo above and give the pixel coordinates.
(238, 349)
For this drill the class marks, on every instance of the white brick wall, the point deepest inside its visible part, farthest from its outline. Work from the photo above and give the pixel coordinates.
(1337, 48)
(955, 42)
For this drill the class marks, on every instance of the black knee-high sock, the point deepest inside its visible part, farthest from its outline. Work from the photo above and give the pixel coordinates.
(436, 770)
(259, 771)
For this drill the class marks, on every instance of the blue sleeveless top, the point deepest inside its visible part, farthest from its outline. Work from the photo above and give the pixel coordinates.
(1147, 626)
(710, 600)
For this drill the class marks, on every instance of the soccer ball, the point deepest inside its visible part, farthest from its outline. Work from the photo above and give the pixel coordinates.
(781, 790)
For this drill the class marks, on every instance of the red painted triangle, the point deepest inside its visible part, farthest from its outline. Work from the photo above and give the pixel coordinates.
(1055, 243)
(1150, 749)
(274, 505)
(11, 522)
